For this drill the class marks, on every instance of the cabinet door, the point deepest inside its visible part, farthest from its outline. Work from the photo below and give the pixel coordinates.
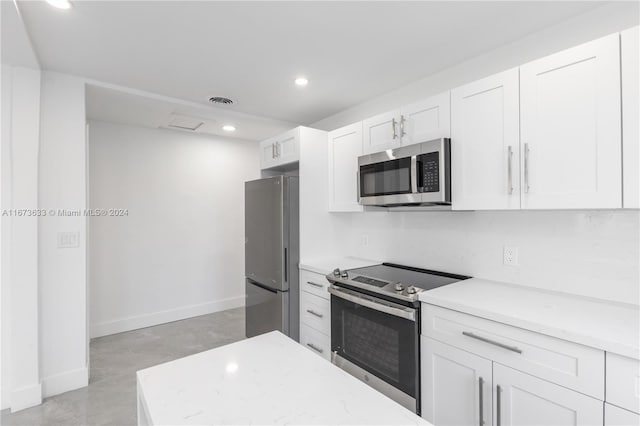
(267, 153)
(287, 147)
(381, 132)
(426, 120)
(522, 399)
(570, 128)
(485, 144)
(455, 385)
(615, 416)
(630, 113)
(345, 145)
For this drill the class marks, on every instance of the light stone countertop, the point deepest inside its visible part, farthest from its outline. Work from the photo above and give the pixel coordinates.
(327, 265)
(610, 326)
(268, 379)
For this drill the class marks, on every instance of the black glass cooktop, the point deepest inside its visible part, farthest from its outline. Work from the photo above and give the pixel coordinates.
(389, 272)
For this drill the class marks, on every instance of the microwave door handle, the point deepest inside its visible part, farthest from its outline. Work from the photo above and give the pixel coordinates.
(358, 185)
(414, 174)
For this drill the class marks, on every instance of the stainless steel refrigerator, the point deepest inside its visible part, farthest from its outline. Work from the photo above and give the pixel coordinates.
(271, 255)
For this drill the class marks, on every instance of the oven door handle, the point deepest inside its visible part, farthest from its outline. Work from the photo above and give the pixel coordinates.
(387, 308)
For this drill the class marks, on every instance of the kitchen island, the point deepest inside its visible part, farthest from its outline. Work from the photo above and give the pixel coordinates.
(268, 379)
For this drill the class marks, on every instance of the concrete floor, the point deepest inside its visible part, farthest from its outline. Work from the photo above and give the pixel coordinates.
(110, 398)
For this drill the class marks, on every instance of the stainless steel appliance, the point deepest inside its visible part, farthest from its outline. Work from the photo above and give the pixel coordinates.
(375, 326)
(414, 175)
(271, 256)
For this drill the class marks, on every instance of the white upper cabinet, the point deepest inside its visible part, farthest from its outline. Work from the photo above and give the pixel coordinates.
(419, 122)
(630, 113)
(280, 150)
(345, 145)
(570, 128)
(485, 144)
(381, 132)
(267, 153)
(522, 399)
(426, 120)
(288, 147)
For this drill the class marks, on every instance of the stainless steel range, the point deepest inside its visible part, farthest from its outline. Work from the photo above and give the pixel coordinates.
(375, 326)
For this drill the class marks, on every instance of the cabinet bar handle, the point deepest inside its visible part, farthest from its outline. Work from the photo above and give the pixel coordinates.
(526, 168)
(510, 168)
(273, 150)
(315, 348)
(481, 409)
(402, 120)
(492, 342)
(315, 313)
(498, 417)
(393, 125)
(314, 284)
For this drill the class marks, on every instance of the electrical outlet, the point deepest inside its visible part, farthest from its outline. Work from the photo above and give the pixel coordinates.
(510, 256)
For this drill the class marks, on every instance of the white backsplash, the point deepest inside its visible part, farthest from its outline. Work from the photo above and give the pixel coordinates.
(590, 253)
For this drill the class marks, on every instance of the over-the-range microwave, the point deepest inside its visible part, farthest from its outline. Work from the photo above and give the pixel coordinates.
(414, 175)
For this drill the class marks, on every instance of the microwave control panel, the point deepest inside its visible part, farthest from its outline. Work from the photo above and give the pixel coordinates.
(430, 172)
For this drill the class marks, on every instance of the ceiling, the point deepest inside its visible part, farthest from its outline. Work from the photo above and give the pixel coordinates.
(252, 51)
(122, 107)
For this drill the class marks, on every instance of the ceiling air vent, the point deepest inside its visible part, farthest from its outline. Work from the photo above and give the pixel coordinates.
(220, 100)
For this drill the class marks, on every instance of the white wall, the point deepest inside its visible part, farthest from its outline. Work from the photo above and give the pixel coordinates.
(20, 141)
(20, 90)
(180, 250)
(62, 271)
(590, 253)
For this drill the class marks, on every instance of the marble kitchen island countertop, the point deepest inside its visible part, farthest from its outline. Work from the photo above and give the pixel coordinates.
(326, 265)
(268, 379)
(609, 326)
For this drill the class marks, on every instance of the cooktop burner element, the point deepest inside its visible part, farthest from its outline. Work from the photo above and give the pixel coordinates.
(395, 282)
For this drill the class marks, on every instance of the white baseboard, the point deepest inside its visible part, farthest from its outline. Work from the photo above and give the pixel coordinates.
(25, 397)
(4, 399)
(64, 382)
(162, 317)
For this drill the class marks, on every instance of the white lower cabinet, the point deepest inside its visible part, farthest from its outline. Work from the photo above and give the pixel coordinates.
(479, 372)
(616, 416)
(315, 313)
(315, 341)
(455, 385)
(522, 399)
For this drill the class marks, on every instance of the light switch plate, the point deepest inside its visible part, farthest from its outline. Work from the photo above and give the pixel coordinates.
(68, 239)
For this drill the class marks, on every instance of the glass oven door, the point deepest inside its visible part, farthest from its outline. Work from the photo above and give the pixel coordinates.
(383, 343)
(388, 177)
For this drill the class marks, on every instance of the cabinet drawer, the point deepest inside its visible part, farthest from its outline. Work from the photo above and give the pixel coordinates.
(315, 312)
(615, 416)
(623, 382)
(315, 341)
(568, 364)
(314, 283)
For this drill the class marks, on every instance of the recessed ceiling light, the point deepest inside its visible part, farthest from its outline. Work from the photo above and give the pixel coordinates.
(60, 4)
(229, 128)
(301, 81)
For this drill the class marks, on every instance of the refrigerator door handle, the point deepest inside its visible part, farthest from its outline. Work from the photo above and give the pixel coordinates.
(286, 264)
(262, 286)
